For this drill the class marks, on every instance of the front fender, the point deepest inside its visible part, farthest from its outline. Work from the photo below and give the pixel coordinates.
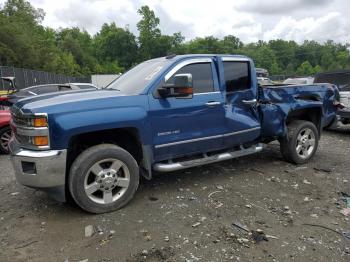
(67, 125)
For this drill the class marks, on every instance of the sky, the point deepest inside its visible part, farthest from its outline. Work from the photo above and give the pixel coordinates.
(250, 20)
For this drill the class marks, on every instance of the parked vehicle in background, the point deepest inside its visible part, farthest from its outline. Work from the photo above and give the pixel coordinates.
(44, 89)
(342, 80)
(84, 85)
(5, 130)
(101, 81)
(11, 85)
(265, 81)
(163, 115)
(4, 103)
(261, 72)
(299, 81)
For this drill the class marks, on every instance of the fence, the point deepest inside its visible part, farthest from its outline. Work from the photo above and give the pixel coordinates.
(27, 77)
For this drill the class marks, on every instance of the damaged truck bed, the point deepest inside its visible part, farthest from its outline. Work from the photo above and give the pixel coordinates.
(285, 103)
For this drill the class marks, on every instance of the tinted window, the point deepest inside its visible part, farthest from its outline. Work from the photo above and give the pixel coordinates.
(237, 76)
(201, 75)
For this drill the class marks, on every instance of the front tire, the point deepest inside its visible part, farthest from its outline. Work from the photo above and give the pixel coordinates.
(103, 178)
(5, 135)
(300, 143)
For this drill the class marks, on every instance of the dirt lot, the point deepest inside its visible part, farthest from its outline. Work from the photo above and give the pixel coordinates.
(189, 215)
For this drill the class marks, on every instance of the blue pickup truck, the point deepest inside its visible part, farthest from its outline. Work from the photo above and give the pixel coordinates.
(163, 115)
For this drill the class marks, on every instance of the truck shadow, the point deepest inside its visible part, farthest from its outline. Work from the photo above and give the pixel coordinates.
(207, 174)
(344, 130)
(164, 184)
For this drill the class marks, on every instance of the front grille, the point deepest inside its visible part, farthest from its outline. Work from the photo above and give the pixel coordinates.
(20, 120)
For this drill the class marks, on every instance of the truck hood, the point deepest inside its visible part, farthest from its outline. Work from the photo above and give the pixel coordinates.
(72, 101)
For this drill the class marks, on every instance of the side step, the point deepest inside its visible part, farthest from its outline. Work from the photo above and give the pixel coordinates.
(171, 166)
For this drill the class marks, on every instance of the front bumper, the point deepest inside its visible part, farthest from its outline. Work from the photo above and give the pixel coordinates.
(44, 170)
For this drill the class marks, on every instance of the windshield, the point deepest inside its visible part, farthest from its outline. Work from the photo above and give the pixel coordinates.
(135, 80)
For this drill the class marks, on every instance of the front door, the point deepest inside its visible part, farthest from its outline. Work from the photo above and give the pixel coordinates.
(182, 126)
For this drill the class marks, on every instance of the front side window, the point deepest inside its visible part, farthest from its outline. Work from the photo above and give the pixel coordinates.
(202, 77)
(237, 76)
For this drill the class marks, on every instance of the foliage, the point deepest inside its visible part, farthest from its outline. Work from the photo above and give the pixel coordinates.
(25, 42)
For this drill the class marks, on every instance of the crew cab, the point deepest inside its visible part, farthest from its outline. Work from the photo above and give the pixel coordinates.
(163, 115)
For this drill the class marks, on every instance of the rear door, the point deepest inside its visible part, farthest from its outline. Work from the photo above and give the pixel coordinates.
(181, 126)
(242, 118)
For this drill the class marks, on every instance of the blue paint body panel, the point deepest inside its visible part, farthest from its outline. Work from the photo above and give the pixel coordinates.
(172, 127)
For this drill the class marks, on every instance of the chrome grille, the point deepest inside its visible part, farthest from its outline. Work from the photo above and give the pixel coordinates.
(20, 120)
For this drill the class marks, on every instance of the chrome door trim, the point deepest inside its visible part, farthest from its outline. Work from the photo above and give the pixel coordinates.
(185, 63)
(234, 59)
(207, 138)
(213, 103)
(207, 93)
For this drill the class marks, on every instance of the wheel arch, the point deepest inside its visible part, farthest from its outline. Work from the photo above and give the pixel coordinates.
(313, 114)
(128, 138)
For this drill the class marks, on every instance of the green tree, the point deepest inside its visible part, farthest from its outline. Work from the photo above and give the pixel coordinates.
(79, 44)
(289, 69)
(305, 69)
(317, 69)
(230, 44)
(206, 45)
(115, 45)
(149, 33)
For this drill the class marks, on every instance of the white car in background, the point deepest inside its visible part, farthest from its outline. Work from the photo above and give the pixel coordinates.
(299, 81)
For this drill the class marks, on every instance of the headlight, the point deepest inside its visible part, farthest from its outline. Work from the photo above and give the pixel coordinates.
(31, 130)
(30, 120)
(40, 121)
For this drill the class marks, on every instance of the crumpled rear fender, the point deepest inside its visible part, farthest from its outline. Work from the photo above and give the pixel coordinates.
(276, 104)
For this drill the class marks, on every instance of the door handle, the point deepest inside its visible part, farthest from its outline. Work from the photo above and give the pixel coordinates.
(249, 102)
(213, 103)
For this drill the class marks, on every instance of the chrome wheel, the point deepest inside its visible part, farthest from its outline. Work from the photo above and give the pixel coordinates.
(305, 143)
(4, 140)
(107, 181)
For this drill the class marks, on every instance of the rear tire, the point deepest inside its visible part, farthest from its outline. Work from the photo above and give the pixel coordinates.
(301, 142)
(103, 178)
(5, 135)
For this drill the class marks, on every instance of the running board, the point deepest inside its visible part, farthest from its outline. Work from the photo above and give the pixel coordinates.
(173, 166)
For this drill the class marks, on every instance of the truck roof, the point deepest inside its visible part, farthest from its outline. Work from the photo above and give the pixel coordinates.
(179, 57)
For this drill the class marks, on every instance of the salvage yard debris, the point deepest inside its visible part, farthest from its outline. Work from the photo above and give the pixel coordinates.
(257, 235)
(345, 211)
(89, 231)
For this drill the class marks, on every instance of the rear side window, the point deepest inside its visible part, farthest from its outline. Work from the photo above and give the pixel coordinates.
(201, 75)
(237, 76)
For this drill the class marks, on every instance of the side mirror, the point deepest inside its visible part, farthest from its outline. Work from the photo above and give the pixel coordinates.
(182, 87)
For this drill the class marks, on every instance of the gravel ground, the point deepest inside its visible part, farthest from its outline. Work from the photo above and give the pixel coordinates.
(189, 215)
